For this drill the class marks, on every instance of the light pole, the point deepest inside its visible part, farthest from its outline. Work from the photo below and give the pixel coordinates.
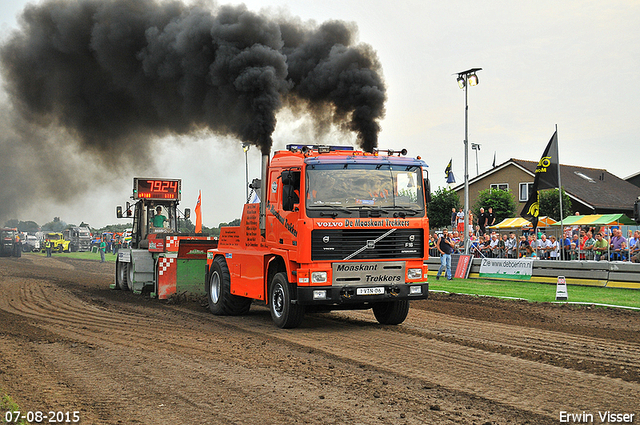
(476, 147)
(466, 78)
(245, 148)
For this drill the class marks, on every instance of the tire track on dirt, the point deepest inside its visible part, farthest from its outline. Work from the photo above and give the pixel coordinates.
(619, 359)
(326, 371)
(528, 385)
(125, 360)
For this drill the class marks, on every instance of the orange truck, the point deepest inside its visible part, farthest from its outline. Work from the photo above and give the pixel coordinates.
(335, 228)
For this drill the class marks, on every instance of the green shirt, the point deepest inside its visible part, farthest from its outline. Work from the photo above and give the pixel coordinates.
(602, 243)
(158, 220)
(103, 246)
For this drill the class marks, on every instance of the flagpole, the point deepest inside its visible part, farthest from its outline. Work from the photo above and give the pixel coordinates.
(560, 195)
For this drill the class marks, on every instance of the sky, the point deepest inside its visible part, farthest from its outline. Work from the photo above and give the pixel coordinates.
(573, 64)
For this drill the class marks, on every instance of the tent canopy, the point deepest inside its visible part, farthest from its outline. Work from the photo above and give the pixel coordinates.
(598, 219)
(520, 223)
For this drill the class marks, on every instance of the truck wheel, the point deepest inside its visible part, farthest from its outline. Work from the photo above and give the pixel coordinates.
(391, 313)
(60, 248)
(122, 276)
(284, 314)
(221, 300)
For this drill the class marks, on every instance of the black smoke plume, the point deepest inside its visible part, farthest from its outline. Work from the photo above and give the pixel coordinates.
(118, 74)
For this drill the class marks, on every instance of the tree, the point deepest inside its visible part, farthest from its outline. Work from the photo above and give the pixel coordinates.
(28, 226)
(502, 201)
(235, 222)
(56, 225)
(549, 203)
(14, 222)
(23, 226)
(439, 210)
(186, 226)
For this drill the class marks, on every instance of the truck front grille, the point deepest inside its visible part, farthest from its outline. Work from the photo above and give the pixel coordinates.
(338, 244)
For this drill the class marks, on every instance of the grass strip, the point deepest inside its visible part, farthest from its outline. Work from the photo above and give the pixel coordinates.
(9, 410)
(538, 292)
(79, 255)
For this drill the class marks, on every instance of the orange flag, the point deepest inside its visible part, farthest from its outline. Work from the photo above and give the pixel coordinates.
(198, 215)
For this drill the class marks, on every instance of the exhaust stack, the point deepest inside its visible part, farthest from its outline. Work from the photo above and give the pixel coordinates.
(263, 194)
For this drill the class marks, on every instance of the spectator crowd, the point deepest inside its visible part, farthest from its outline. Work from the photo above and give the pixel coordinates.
(589, 243)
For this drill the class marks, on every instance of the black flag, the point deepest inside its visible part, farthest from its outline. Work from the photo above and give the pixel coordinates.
(546, 178)
(449, 173)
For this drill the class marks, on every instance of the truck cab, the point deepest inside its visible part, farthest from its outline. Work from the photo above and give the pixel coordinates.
(58, 242)
(10, 242)
(341, 229)
(152, 219)
(79, 239)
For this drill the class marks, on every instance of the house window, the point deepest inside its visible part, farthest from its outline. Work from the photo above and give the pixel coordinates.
(525, 191)
(500, 186)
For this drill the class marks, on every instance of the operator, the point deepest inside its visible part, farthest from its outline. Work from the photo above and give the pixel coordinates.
(47, 247)
(158, 219)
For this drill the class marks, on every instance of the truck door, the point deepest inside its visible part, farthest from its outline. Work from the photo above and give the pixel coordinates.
(289, 203)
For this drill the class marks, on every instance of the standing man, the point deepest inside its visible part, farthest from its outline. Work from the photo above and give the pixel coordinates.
(102, 248)
(454, 219)
(491, 218)
(482, 221)
(511, 246)
(555, 248)
(460, 221)
(445, 246)
(47, 247)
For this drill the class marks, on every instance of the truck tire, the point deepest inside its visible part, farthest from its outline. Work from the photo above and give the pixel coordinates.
(391, 313)
(284, 314)
(221, 301)
(122, 276)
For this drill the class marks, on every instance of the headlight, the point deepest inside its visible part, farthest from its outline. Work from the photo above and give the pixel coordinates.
(320, 295)
(318, 277)
(415, 290)
(414, 274)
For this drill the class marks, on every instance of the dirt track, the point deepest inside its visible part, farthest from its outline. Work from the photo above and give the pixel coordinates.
(69, 343)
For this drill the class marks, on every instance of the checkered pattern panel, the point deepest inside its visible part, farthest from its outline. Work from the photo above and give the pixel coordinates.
(164, 264)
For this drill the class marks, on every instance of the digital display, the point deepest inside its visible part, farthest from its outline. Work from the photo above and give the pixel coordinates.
(156, 189)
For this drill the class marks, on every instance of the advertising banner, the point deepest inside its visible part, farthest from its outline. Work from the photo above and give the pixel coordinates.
(461, 264)
(504, 268)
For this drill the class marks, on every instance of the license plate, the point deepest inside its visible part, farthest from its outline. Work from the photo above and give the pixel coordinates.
(370, 291)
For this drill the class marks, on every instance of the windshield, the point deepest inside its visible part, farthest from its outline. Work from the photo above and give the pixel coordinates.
(380, 188)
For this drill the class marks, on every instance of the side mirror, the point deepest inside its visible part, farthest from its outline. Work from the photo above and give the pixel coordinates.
(427, 191)
(119, 211)
(187, 213)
